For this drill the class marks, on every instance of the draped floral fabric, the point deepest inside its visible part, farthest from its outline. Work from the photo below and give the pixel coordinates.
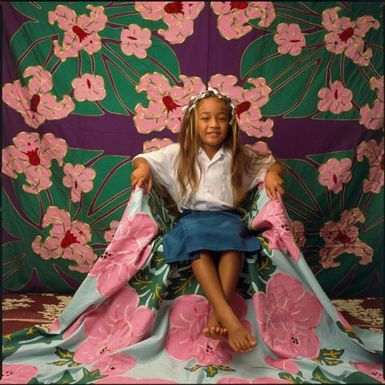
(143, 323)
(88, 85)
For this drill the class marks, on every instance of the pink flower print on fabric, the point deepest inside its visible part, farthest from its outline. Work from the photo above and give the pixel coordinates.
(298, 229)
(17, 374)
(80, 32)
(335, 173)
(233, 16)
(375, 154)
(248, 103)
(109, 234)
(290, 39)
(179, 17)
(32, 156)
(372, 369)
(288, 365)
(346, 36)
(373, 118)
(130, 380)
(67, 240)
(89, 87)
(156, 144)
(342, 237)
(260, 380)
(114, 364)
(166, 102)
(117, 323)
(287, 316)
(135, 41)
(34, 102)
(261, 148)
(126, 254)
(188, 316)
(79, 179)
(273, 219)
(335, 99)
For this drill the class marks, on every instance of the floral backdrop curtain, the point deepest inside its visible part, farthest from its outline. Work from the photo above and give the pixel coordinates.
(88, 85)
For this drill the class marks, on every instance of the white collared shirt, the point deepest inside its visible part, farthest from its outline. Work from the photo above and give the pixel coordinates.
(215, 190)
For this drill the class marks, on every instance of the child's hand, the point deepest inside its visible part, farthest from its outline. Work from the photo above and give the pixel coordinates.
(273, 184)
(142, 176)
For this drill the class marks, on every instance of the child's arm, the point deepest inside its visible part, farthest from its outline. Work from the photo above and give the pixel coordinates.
(274, 181)
(142, 174)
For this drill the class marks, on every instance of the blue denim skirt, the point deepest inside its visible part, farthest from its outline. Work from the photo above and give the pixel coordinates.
(208, 230)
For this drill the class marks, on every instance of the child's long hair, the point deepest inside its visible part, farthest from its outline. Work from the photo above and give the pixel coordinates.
(242, 159)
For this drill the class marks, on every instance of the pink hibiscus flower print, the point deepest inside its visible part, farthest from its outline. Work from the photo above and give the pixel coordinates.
(114, 364)
(17, 374)
(290, 39)
(248, 103)
(109, 234)
(260, 380)
(346, 36)
(126, 254)
(34, 102)
(287, 316)
(130, 380)
(80, 32)
(375, 154)
(372, 369)
(165, 102)
(32, 156)
(335, 99)
(288, 365)
(276, 226)
(334, 173)
(188, 316)
(260, 147)
(373, 118)
(233, 16)
(89, 87)
(117, 323)
(298, 229)
(179, 17)
(67, 240)
(135, 41)
(342, 237)
(155, 144)
(79, 179)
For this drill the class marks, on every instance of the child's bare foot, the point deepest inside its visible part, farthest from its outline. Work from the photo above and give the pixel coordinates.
(239, 338)
(214, 329)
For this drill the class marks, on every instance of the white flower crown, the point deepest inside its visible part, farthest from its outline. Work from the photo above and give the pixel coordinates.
(194, 100)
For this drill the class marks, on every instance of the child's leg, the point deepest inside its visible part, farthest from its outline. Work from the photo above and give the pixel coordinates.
(206, 274)
(229, 270)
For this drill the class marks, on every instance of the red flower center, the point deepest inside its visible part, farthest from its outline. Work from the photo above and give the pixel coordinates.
(295, 41)
(88, 83)
(335, 94)
(33, 156)
(80, 32)
(169, 103)
(342, 238)
(132, 38)
(242, 107)
(238, 4)
(35, 102)
(334, 178)
(174, 7)
(68, 239)
(346, 34)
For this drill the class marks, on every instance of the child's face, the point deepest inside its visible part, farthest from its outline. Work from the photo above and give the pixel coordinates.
(213, 124)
